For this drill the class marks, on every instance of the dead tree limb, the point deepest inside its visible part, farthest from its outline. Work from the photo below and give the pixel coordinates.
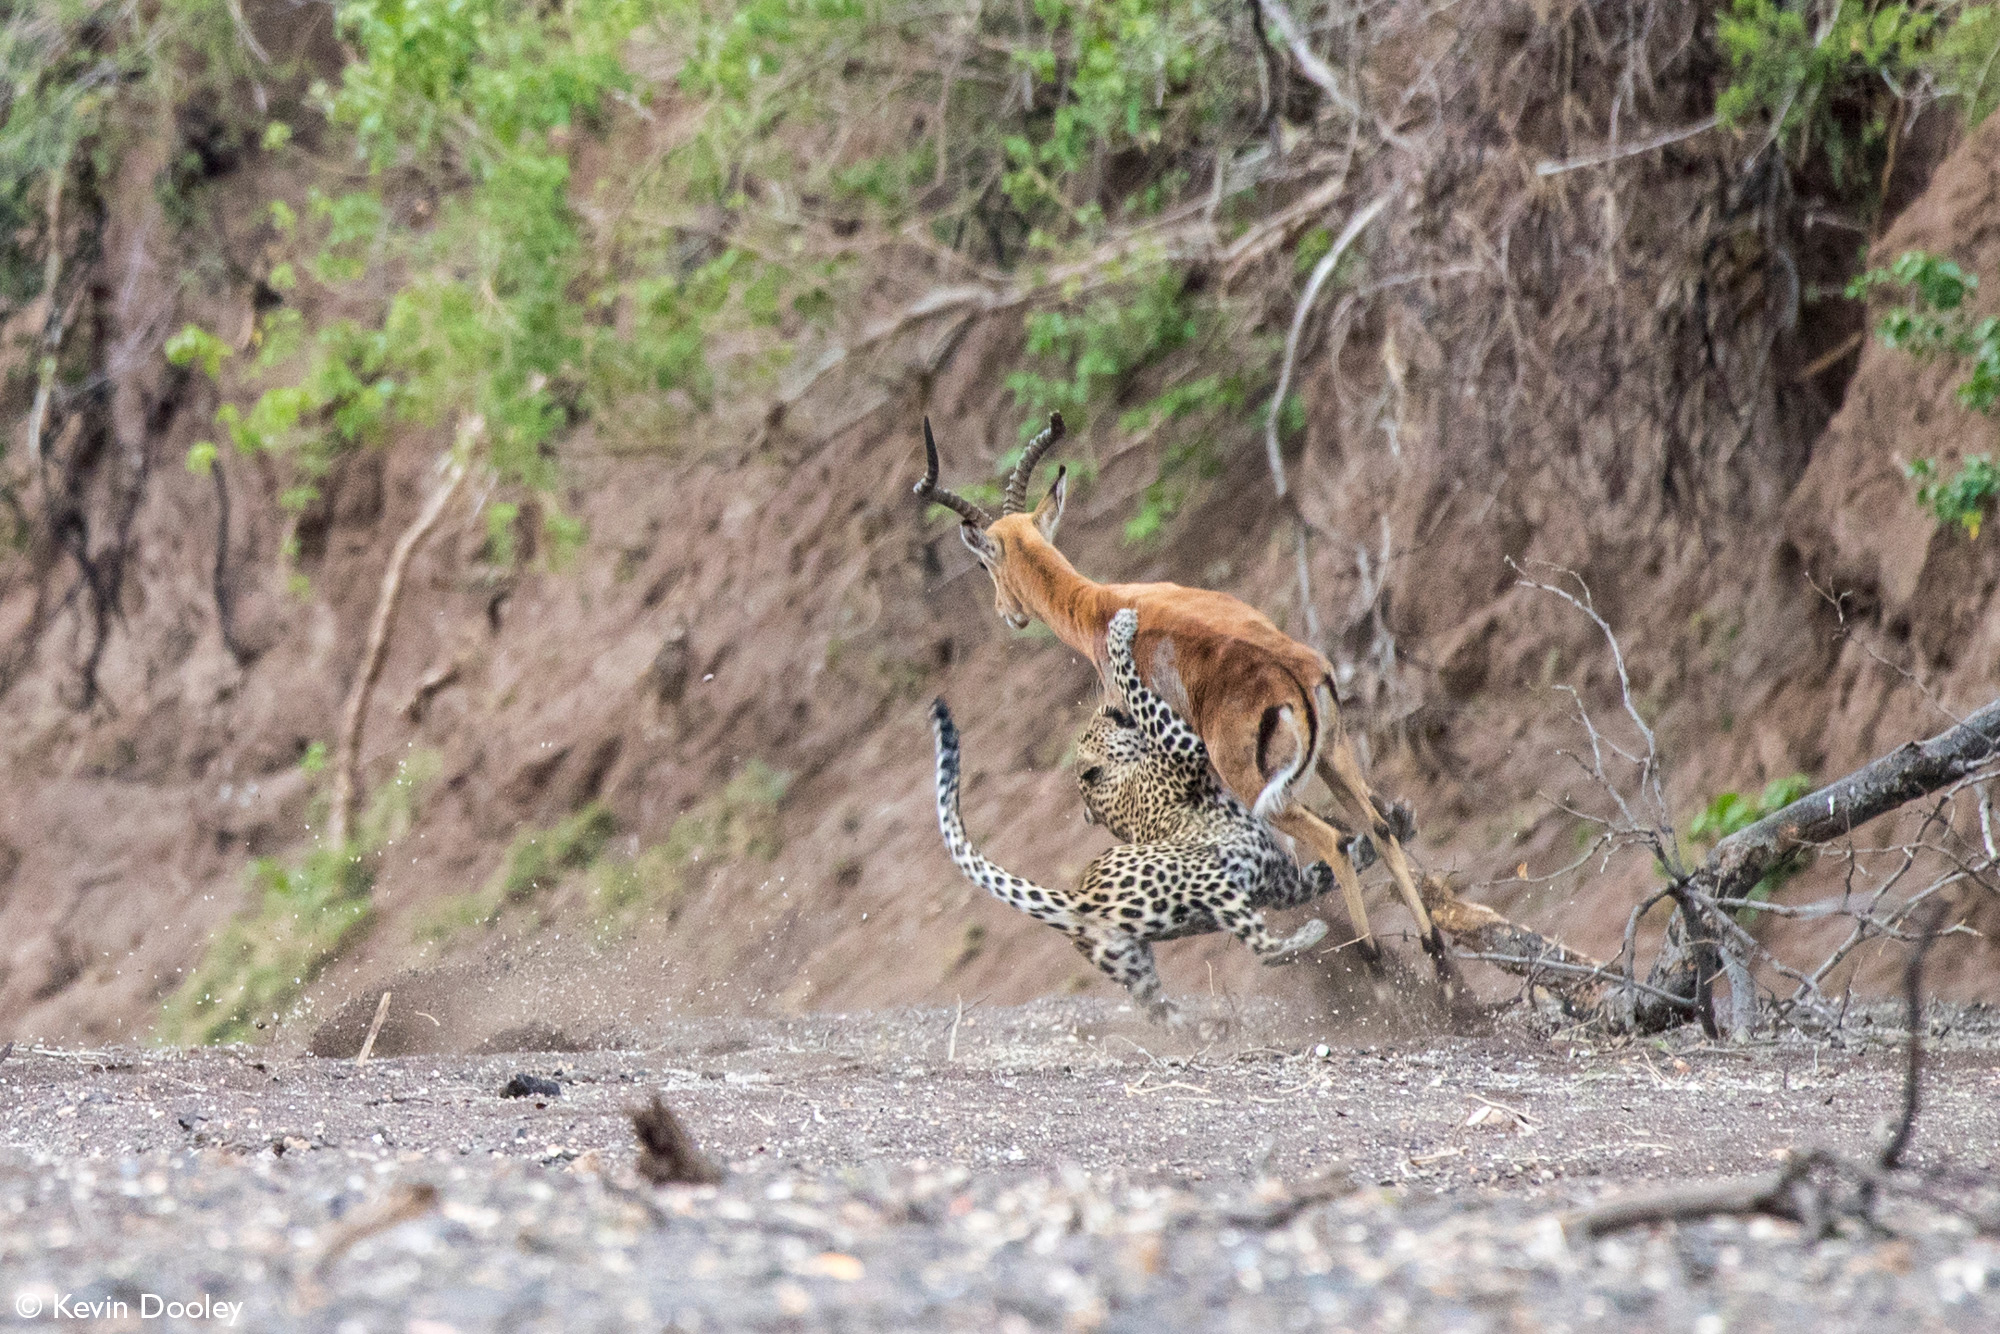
(1913, 770)
(1316, 71)
(347, 756)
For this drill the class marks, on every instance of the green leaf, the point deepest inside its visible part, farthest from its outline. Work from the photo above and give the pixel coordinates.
(194, 345)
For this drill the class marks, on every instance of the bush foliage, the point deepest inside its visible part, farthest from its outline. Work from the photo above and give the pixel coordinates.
(1828, 76)
(1933, 321)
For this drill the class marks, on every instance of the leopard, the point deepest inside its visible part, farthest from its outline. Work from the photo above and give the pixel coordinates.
(1195, 859)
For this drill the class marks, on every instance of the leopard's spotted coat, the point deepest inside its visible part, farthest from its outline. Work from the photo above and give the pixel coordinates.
(1198, 860)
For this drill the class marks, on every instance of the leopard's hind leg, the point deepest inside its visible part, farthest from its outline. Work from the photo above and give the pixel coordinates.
(1128, 961)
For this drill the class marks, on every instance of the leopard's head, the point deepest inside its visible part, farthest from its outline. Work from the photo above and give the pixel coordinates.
(1110, 759)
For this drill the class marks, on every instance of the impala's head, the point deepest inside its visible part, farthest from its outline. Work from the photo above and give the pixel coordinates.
(996, 541)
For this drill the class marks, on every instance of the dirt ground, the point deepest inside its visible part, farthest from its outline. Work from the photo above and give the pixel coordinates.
(1059, 1165)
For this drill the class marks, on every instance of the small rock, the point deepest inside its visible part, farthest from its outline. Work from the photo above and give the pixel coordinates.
(531, 1086)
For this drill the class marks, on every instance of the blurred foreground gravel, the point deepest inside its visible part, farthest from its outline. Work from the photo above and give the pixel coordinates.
(1051, 1167)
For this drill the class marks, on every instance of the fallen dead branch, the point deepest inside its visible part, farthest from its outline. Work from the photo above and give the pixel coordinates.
(1816, 1188)
(1913, 770)
(1707, 938)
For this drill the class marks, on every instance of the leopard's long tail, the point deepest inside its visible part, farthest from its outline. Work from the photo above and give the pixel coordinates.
(1044, 905)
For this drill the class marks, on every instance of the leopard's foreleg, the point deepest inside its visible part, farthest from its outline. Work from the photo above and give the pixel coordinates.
(1289, 885)
(1235, 913)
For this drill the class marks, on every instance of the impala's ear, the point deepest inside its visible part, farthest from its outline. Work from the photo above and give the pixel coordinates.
(977, 542)
(1049, 513)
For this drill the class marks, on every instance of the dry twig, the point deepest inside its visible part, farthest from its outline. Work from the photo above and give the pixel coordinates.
(374, 1031)
(667, 1153)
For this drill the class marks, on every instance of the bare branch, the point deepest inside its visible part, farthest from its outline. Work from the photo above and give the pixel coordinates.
(1316, 71)
(1619, 152)
(1321, 272)
(347, 759)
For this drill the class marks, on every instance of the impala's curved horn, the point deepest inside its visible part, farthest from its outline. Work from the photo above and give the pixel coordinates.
(1016, 498)
(929, 489)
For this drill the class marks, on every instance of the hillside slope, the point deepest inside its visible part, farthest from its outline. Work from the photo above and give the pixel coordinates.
(690, 764)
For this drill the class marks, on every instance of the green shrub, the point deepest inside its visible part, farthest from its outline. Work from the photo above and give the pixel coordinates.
(740, 822)
(1933, 321)
(301, 919)
(538, 860)
(1964, 499)
(1828, 76)
(1034, 105)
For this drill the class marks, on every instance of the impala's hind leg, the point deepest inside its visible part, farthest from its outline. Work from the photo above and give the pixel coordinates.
(1342, 772)
(1128, 961)
(1329, 846)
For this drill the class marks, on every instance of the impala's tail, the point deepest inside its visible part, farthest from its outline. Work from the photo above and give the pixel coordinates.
(1044, 905)
(1287, 746)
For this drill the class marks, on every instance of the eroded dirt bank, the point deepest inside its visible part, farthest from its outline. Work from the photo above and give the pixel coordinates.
(730, 679)
(1054, 1166)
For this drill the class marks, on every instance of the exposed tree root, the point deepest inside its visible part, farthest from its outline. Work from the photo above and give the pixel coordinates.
(347, 757)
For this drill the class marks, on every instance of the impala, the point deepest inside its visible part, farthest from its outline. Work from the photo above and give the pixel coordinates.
(1262, 702)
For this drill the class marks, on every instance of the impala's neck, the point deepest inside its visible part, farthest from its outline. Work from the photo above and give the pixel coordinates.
(1048, 586)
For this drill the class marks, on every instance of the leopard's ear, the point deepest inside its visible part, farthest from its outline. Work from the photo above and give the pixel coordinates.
(1120, 717)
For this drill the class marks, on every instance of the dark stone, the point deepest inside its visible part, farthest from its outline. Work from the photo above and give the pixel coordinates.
(531, 1086)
